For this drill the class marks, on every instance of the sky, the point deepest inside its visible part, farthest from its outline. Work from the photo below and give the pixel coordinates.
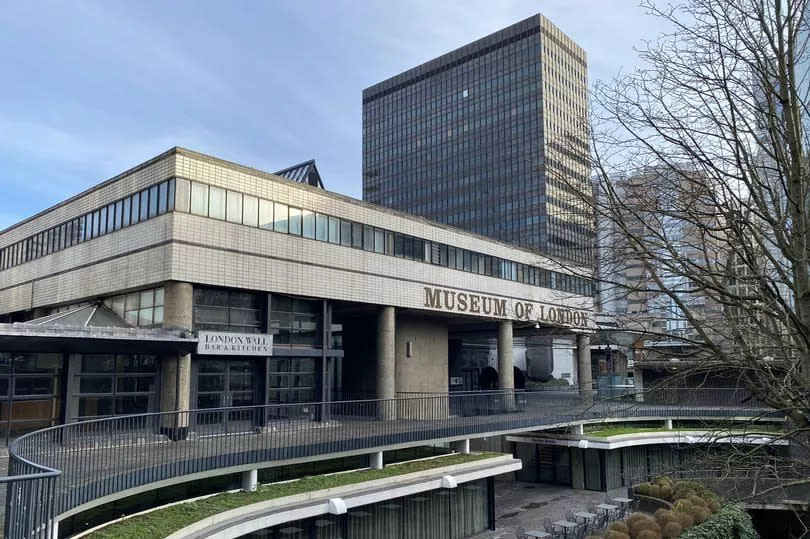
(91, 89)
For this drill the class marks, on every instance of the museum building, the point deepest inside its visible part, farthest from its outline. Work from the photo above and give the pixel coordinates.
(189, 282)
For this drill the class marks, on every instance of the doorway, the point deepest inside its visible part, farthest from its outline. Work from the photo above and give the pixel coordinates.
(225, 384)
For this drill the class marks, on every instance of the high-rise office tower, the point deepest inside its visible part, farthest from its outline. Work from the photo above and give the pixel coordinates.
(490, 137)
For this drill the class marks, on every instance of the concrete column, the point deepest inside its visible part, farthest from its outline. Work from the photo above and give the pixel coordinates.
(578, 430)
(178, 306)
(577, 468)
(668, 424)
(375, 460)
(584, 376)
(462, 446)
(506, 374)
(386, 362)
(175, 381)
(250, 480)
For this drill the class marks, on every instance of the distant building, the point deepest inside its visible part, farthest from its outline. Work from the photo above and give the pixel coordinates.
(490, 138)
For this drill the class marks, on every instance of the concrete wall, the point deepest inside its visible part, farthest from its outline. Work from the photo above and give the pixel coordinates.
(426, 370)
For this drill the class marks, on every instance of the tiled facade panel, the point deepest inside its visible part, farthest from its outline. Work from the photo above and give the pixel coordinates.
(16, 298)
(139, 270)
(116, 188)
(64, 263)
(223, 254)
(198, 168)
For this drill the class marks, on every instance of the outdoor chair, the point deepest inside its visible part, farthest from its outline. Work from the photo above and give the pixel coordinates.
(520, 533)
(549, 527)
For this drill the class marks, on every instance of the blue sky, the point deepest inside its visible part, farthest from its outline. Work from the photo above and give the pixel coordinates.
(89, 89)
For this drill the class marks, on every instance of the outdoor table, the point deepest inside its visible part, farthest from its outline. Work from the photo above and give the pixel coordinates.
(290, 530)
(585, 516)
(537, 534)
(565, 525)
(322, 523)
(608, 508)
(623, 501)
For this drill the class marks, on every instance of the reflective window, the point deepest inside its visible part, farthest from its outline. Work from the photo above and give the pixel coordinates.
(308, 224)
(199, 199)
(250, 211)
(183, 195)
(295, 221)
(334, 230)
(321, 227)
(281, 220)
(216, 203)
(234, 207)
(265, 214)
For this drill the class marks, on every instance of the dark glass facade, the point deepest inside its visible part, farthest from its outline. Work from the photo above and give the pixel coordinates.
(462, 140)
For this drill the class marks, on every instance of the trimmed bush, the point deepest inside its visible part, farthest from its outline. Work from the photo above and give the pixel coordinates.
(698, 501)
(684, 519)
(648, 534)
(635, 517)
(659, 512)
(642, 524)
(663, 481)
(613, 534)
(701, 514)
(730, 521)
(672, 529)
(667, 492)
(655, 491)
(644, 489)
(665, 517)
(620, 526)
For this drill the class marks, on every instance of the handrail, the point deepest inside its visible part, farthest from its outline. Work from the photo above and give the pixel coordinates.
(64, 468)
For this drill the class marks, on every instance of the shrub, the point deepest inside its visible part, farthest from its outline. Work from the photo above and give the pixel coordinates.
(684, 506)
(662, 481)
(642, 524)
(613, 534)
(666, 492)
(684, 519)
(648, 534)
(697, 501)
(714, 505)
(701, 514)
(644, 489)
(655, 491)
(665, 517)
(635, 517)
(659, 512)
(672, 529)
(730, 521)
(620, 527)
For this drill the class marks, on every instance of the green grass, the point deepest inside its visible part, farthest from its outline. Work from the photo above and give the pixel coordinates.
(605, 432)
(163, 522)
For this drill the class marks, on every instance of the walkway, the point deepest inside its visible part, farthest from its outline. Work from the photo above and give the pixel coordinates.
(527, 504)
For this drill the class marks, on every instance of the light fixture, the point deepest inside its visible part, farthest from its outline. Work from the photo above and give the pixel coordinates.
(537, 326)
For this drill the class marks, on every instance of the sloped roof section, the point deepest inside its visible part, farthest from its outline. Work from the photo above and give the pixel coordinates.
(305, 172)
(92, 315)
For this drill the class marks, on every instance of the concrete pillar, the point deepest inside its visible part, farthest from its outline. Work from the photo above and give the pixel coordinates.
(462, 446)
(577, 468)
(386, 362)
(668, 424)
(638, 380)
(376, 460)
(506, 374)
(175, 382)
(578, 430)
(584, 375)
(250, 480)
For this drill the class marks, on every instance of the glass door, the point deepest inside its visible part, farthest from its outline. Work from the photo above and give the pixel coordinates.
(223, 384)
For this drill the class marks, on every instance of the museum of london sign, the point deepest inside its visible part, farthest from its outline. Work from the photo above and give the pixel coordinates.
(464, 302)
(220, 343)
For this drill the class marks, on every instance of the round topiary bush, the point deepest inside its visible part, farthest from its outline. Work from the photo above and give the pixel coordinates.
(613, 534)
(648, 534)
(659, 512)
(684, 519)
(665, 517)
(683, 505)
(666, 492)
(635, 517)
(701, 514)
(644, 524)
(620, 527)
(697, 501)
(644, 489)
(655, 491)
(671, 529)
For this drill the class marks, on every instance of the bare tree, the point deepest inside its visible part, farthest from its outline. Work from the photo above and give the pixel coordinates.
(703, 199)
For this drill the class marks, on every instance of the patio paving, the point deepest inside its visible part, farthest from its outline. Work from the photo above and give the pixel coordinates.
(527, 504)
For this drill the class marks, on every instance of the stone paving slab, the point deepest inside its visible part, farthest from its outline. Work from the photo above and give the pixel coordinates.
(527, 504)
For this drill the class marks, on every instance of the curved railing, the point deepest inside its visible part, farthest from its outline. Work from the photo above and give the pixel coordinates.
(75, 466)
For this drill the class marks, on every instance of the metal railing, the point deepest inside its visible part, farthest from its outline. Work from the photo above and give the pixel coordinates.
(66, 468)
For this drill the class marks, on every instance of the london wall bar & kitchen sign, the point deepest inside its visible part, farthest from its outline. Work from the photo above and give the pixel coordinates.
(220, 343)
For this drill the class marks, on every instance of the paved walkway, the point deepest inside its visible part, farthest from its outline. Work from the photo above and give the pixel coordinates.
(527, 504)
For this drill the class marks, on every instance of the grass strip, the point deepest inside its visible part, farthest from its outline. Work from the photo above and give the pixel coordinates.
(163, 522)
